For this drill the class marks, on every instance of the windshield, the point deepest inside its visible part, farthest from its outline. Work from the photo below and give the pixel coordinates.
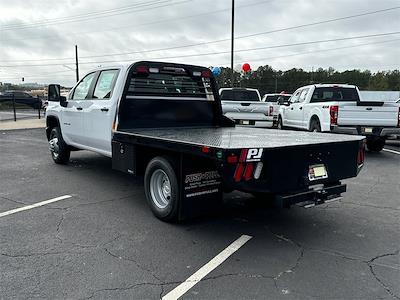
(326, 94)
(239, 95)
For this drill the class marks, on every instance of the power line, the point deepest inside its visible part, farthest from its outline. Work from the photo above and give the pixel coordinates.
(318, 51)
(153, 6)
(221, 52)
(135, 25)
(224, 40)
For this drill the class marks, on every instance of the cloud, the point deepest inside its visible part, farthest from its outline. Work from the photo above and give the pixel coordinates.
(101, 28)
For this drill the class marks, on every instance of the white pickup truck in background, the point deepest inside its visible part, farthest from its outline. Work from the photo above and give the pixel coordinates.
(245, 107)
(274, 102)
(338, 108)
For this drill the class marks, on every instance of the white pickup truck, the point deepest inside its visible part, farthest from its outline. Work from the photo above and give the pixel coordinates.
(164, 121)
(338, 108)
(245, 107)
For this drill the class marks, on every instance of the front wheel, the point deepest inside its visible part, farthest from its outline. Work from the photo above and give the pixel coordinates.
(60, 151)
(375, 145)
(162, 189)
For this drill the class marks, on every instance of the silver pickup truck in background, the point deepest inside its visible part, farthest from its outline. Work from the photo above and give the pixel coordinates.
(245, 107)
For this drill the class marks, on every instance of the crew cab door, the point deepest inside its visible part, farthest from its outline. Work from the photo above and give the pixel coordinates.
(289, 112)
(72, 126)
(99, 111)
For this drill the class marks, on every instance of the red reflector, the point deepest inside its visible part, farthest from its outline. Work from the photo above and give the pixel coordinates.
(206, 74)
(232, 159)
(248, 173)
(239, 172)
(243, 155)
(205, 149)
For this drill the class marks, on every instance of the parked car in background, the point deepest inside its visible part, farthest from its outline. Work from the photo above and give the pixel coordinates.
(245, 107)
(21, 97)
(274, 101)
(338, 108)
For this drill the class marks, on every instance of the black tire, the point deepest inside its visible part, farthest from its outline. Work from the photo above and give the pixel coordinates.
(375, 145)
(279, 124)
(59, 150)
(156, 189)
(315, 126)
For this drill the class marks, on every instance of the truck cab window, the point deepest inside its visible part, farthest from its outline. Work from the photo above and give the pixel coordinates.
(105, 84)
(295, 97)
(82, 89)
(303, 95)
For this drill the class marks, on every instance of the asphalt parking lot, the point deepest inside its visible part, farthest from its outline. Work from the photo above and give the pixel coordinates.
(103, 241)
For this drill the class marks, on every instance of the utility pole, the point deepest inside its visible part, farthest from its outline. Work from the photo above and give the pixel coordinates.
(76, 63)
(232, 43)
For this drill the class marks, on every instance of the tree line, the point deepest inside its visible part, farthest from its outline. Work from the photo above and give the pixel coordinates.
(268, 80)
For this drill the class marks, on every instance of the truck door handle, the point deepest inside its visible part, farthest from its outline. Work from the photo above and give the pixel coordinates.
(291, 108)
(300, 107)
(104, 109)
(79, 108)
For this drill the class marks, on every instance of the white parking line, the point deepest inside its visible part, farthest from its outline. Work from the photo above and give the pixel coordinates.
(14, 211)
(206, 269)
(391, 151)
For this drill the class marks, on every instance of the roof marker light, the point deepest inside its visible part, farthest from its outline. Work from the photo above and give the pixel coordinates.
(196, 73)
(142, 69)
(206, 74)
(154, 70)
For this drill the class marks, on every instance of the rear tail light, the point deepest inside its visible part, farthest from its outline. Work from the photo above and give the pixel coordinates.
(232, 159)
(398, 118)
(271, 110)
(334, 112)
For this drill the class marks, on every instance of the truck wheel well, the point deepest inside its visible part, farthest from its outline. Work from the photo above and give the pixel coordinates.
(314, 118)
(51, 122)
(145, 154)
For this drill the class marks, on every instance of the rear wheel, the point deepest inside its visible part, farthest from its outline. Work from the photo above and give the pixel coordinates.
(162, 189)
(279, 125)
(375, 145)
(59, 150)
(315, 126)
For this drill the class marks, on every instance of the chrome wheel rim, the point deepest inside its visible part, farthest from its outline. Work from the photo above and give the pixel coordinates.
(160, 189)
(54, 147)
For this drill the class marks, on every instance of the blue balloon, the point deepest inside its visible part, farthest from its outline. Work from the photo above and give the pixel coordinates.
(216, 71)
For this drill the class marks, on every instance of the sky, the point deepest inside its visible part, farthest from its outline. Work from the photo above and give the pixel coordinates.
(38, 38)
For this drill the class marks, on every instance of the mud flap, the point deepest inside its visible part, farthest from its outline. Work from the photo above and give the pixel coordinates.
(201, 188)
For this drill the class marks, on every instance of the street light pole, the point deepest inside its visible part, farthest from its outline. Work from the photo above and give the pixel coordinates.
(232, 43)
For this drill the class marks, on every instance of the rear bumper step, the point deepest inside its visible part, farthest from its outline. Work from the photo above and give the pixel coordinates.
(312, 198)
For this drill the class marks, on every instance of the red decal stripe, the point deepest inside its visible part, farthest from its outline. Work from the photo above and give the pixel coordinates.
(248, 173)
(239, 172)
(243, 155)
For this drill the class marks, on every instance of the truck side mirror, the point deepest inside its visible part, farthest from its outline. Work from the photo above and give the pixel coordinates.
(54, 93)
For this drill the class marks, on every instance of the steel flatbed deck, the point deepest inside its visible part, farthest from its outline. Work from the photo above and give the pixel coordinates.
(233, 137)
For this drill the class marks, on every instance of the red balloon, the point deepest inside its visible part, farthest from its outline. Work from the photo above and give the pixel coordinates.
(246, 67)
